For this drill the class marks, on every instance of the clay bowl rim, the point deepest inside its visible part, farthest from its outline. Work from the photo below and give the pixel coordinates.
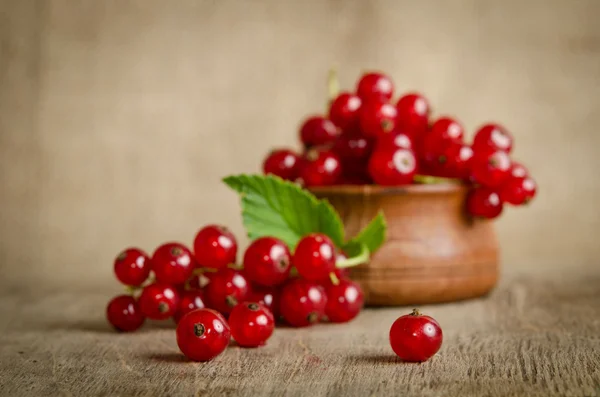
(377, 190)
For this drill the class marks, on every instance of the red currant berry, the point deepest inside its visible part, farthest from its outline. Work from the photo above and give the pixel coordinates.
(344, 301)
(484, 202)
(172, 263)
(378, 119)
(392, 167)
(352, 148)
(318, 131)
(394, 140)
(123, 313)
(190, 300)
(282, 163)
(455, 160)
(415, 337)
(492, 137)
(158, 301)
(227, 288)
(447, 129)
(518, 191)
(321, 168)
(215, 247)
(132, 267)
(490, 169)
(202, 334)
(413, 114)
(267, 261)
(344, 110)
(518, 170)
(251, 324)
(315, 257)
(375, 87)
(267, 296)
(302, 303)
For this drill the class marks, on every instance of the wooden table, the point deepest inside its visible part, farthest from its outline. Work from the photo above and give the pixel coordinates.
(530, 337)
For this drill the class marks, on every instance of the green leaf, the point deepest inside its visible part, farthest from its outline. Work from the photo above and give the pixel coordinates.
(373, 235)
(282, 209)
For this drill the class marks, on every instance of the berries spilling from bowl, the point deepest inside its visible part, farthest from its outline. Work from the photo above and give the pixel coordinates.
(367, 137)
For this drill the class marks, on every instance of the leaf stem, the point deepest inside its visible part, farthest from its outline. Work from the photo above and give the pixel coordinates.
(358, 259)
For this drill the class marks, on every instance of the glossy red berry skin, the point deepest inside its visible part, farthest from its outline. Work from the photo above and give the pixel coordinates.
(447, 129)
(124, 314)
(378, 119)
(344, 301)
(267, 262)
(318, 131)
(226, 289)
(353, 150)
(375, 87)
(159, 301)
(345, 110)
(393, 167)
(251, 323)
(321, 168)
(215, 247)
(315, 257)
(172, 263)
(518, 191)
(266, 296)
(302, 302)
(518, 170)
(415, 337)
(413, 114)
(490, 169)
(455, 160)
(283, 163)
(203, 334)
(492, 137)
(132, 267)
(394, 140)
(190, 300)
(483, 202)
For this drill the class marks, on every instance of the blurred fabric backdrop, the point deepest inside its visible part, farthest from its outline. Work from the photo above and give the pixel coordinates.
(119, 118)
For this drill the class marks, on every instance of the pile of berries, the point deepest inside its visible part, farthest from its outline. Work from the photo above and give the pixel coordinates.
(367, 139)
(212, 299)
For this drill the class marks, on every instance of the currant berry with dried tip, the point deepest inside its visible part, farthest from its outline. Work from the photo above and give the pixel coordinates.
(159, 301)
(415, 337)
(266, 296)
(226, 289)
(123, 313)
(132, 267)
(321, 168)
(492, 137)
(375, 87)
(378, 119)
(344, 110)
(455, 160)
(393, 167)
(484, 202)
(447, 129)
(315, 257)
(190, 300)
(251, 323)
(267, 261)
(318, 131)
(283, 163)
(215, 247)
(302, 302)
(172, 263)
(490, 169)
(202, 334)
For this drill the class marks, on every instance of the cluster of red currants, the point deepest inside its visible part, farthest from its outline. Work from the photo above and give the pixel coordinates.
(211, 299)
(367, 139)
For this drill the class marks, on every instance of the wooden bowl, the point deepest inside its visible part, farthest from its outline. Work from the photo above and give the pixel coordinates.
(434, 252)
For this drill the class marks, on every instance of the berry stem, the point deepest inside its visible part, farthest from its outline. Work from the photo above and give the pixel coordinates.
(430, 179)
(334, 279)
(333, 85)
(358, 259)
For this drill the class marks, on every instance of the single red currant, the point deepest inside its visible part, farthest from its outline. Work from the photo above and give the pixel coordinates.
(132, 267)
(267, 261)
(203, 334)
(251, 323)
(344, 301)
(172, 263)
(518, 191)
(123, 313)
(447, 129)
(215, 247)
(394, 166)
(190, 300)
(314, 257)
(344, 110)
(492, 137)
(302, 302)
(415, 337)
(413, 114)
(484, 202)
(317, 131)
(284, 163)
(490, 169)
(378, 119)
(375, 87)
(518, 170)
(158, 301)
(354, 151)
(321, 168)
(227, 288)
(455, 160)
(267, 296)
(394, 140)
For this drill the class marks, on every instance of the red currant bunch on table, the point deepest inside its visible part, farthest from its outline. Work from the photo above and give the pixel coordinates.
(375, 135)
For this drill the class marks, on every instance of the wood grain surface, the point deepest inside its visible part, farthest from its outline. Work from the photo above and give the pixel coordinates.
(531, 337)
